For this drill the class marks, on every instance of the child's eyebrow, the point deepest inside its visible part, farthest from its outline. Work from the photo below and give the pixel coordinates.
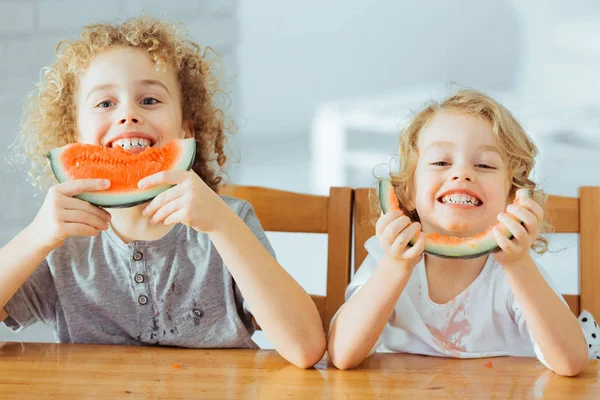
(492, 149)
(152, 82)
(98, 88)
(143, 82)
(439, 143)
(483, 147)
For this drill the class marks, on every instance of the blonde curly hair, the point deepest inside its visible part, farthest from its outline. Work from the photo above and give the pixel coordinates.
(50, 116)
(517, 148)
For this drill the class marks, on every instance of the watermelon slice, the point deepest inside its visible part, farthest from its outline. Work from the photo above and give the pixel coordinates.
(123, 169)
(448, 246)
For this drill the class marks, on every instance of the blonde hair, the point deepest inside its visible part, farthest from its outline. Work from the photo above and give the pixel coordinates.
(518, 150)
(50, 117)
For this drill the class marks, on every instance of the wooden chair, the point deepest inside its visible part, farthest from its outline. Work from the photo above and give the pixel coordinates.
(568, 215)
(283, 211)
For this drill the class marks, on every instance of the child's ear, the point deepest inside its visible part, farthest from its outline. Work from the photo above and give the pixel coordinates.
(188, 129)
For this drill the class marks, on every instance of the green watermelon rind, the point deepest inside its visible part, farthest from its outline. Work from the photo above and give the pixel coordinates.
(472, 248)
(125, 200)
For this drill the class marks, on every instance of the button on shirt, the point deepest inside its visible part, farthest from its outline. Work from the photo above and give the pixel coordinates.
(173, 291)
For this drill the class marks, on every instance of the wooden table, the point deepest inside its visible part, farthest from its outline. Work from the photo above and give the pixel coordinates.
(34, 370)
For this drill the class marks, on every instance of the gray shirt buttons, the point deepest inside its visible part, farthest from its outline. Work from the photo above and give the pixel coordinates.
(137, 256)
(142, 299)
(197, 313)
(139, 278)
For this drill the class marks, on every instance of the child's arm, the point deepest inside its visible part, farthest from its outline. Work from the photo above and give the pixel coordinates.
(59, 217)
(553, 325)
(284, 311)
(361, 320)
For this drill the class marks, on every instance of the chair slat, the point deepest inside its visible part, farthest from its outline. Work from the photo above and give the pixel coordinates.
(339, 249)
(589, 249)
(564, 213)
(283, 211)
(573, 302)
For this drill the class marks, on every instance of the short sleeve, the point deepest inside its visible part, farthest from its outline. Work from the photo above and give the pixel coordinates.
(34, 301)
(367, 268)
(248, 215)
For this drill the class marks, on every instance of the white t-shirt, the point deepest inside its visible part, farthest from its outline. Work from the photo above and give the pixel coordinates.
(483, 321)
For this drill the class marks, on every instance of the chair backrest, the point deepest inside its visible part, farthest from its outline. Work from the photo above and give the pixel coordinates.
(568, 215)
(284, 211)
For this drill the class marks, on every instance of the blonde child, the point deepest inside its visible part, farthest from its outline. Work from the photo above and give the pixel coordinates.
(190, 268)
(462, 162)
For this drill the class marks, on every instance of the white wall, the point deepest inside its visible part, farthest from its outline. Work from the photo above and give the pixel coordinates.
(561, 48)
(296, 54)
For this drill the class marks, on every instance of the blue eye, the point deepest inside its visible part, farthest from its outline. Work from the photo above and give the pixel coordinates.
(148, 101)
(105, 104)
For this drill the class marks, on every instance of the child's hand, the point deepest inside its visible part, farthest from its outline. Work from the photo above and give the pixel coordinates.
(190, 201)
(62, 215)
(394, 231)
(515, 251)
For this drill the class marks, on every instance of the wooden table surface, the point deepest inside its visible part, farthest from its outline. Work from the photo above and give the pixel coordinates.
(35, 370)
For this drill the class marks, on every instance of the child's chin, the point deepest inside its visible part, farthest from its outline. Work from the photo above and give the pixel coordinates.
(458, 227)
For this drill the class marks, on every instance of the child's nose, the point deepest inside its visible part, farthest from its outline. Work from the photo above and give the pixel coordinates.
(462, 174)
(129, 115)
(462, 177)
(131, 120)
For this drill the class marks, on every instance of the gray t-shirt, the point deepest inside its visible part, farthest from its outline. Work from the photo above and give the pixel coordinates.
(174, 291)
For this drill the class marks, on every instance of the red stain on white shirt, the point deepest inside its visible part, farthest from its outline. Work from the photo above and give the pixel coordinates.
(450, 334)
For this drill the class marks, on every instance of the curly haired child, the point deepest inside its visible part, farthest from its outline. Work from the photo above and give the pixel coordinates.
(190, 268)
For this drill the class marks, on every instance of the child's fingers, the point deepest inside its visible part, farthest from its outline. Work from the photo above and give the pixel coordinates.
(401, 241)
(77, 229)
(527, 217)
(416, 251)
(533, 207)
(162, 199)
(385, 220)
(71, 203)
(164, 177)
(177, 216)
(394, 228)
(167, 209)
(84, 218)
(513, 226)
(503, 242)
(78, 186)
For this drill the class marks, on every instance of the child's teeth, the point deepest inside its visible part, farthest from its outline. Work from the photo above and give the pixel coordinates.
(132, 143)
(460, 199)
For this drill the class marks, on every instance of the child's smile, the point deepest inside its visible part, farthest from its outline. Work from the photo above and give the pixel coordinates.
(460, 198)
(461, 180)
(132, 142)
